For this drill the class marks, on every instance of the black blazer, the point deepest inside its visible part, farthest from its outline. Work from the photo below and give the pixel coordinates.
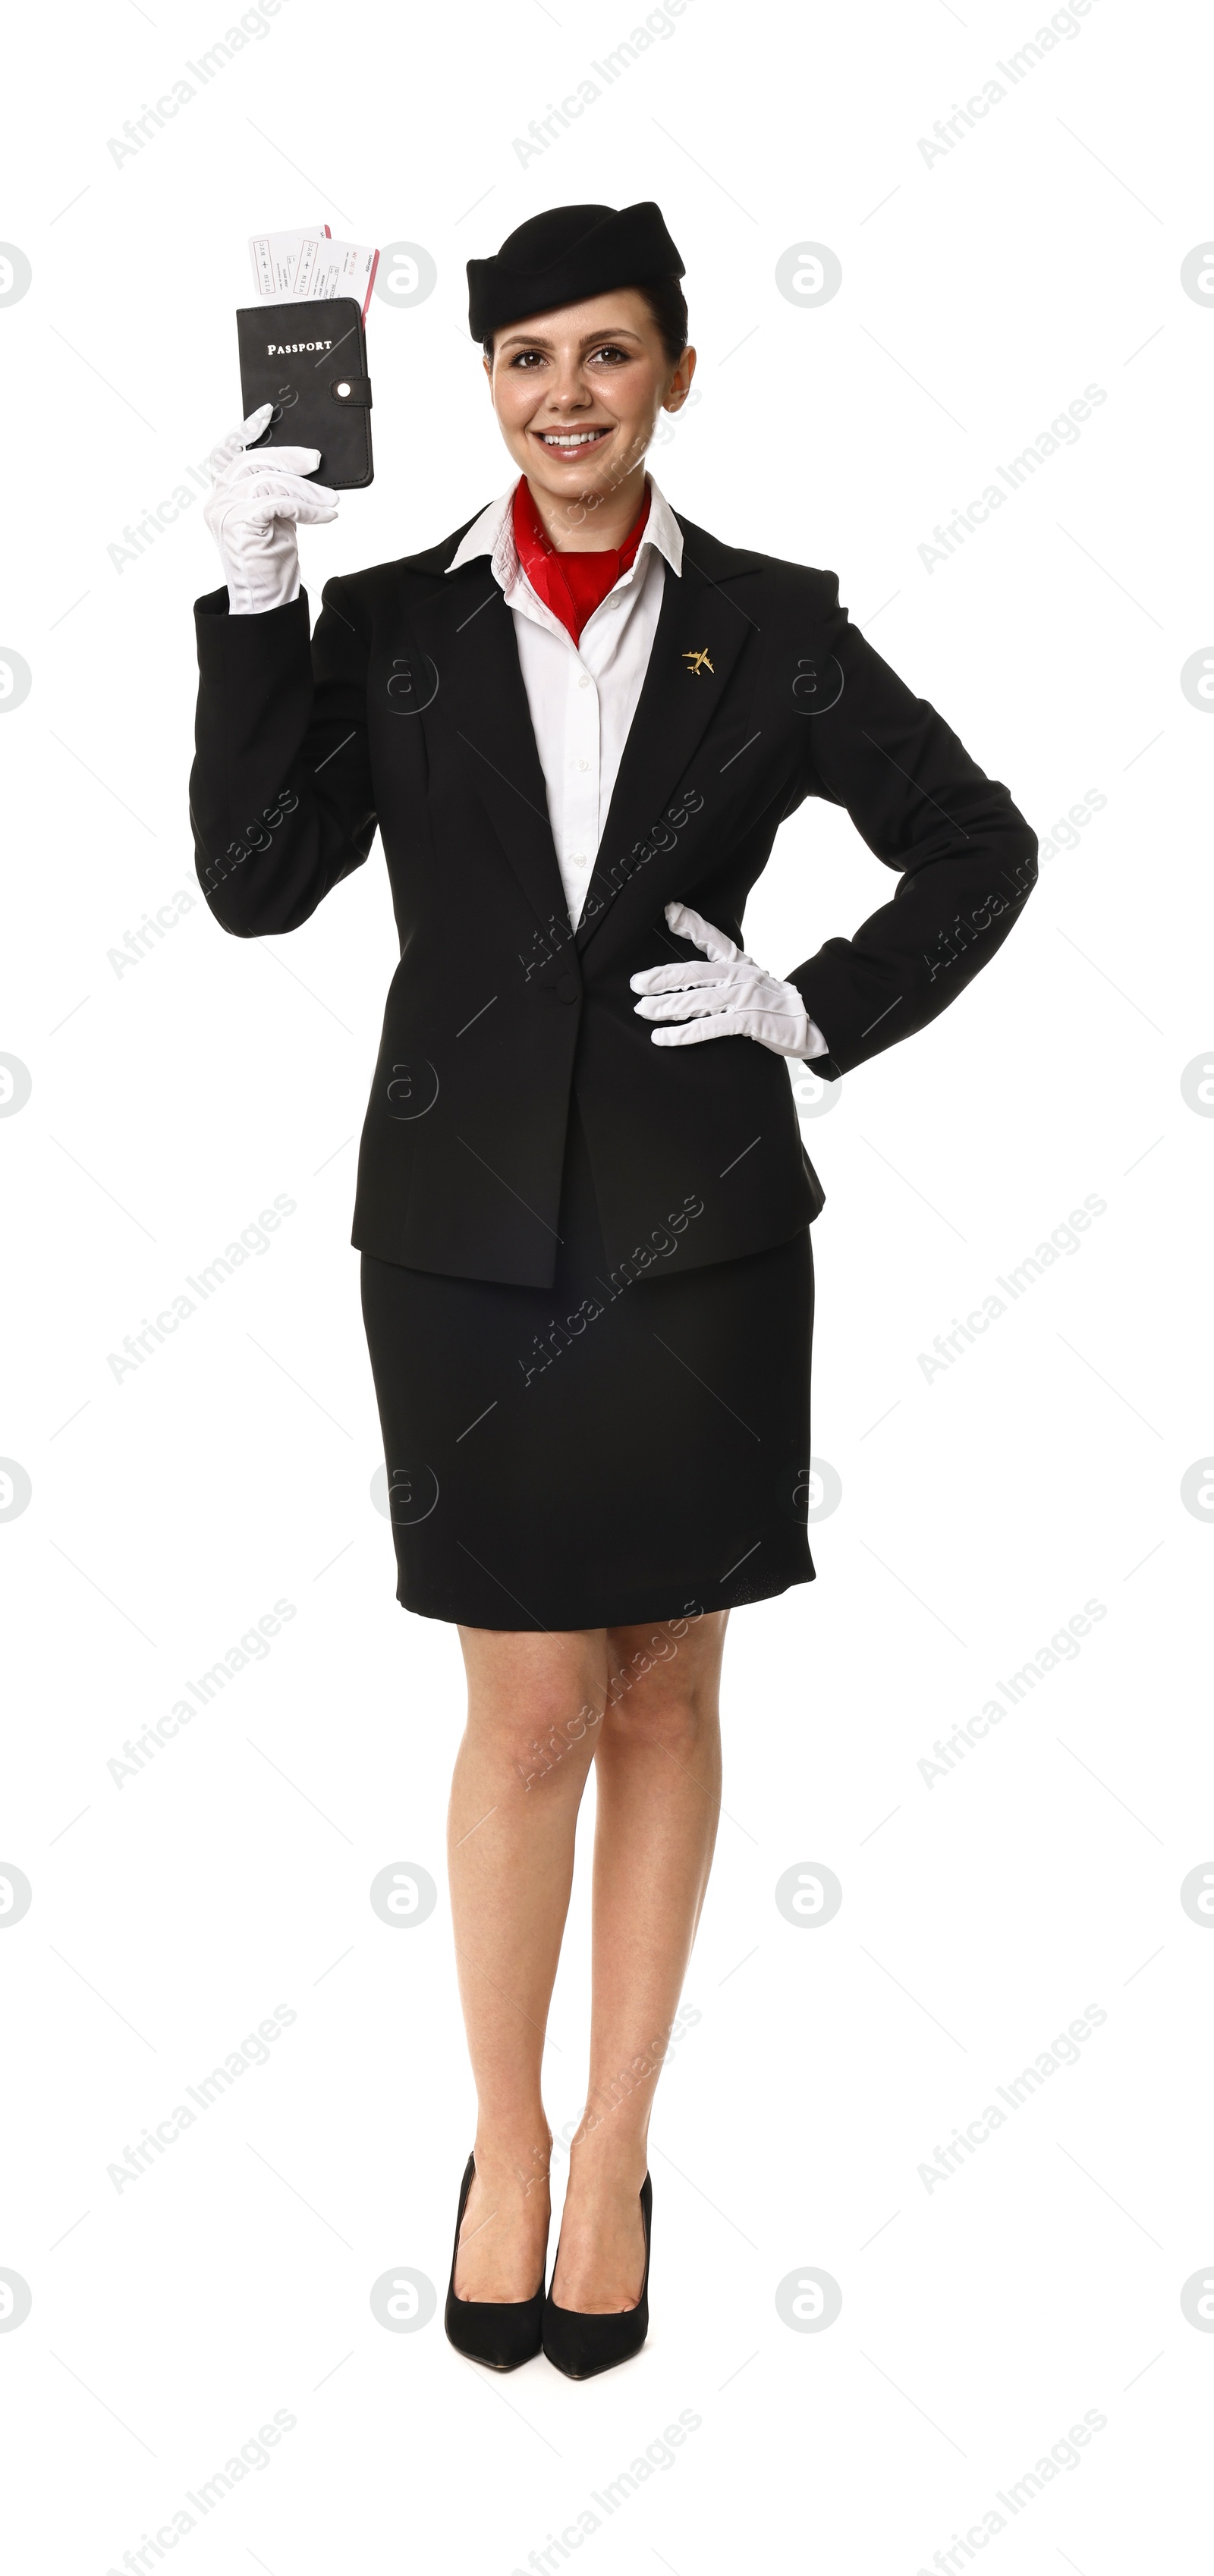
(408, 710)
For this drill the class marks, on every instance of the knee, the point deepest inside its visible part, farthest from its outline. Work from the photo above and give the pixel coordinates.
(557, 1731)
(660, 1708)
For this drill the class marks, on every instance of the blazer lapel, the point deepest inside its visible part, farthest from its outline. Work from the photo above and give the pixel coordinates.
(701, 631)
(474, 649)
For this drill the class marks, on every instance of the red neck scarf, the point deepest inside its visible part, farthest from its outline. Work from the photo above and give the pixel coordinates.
(571, 585)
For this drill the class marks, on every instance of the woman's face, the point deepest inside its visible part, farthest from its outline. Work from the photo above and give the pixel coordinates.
(577, 393)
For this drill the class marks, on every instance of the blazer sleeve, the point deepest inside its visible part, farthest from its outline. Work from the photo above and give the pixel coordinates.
(281, 802)
(966, 859)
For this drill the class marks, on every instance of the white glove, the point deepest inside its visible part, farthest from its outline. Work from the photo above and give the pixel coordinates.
(252, 513)
(730, 997)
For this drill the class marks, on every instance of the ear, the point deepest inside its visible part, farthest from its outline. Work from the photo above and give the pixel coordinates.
(680, 382)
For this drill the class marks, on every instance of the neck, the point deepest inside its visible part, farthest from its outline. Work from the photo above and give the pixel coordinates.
(590, 522)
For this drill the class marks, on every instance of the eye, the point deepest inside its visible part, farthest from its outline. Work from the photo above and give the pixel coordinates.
(613, 353)
(524, 358)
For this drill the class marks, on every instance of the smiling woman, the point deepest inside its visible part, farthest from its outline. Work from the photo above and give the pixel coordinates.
(575, 720)
(578, 393)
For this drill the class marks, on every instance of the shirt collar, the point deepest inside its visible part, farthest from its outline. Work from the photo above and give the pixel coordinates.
(492, 534)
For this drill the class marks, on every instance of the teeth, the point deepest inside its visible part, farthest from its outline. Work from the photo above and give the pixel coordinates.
(576, 438)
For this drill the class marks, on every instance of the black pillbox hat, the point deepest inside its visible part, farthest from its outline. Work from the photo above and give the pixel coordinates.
(565, 255)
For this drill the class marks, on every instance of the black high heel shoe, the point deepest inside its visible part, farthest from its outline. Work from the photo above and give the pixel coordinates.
(500, 2333)
(581, 2345)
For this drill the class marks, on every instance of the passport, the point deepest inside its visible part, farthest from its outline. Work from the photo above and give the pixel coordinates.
(309, 359)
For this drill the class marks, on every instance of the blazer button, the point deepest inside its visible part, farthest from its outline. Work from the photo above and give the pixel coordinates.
(567, 988)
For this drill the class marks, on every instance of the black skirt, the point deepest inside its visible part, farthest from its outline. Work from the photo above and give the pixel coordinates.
(629, 1444)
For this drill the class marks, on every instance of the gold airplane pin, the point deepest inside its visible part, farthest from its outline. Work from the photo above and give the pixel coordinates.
(699, 662)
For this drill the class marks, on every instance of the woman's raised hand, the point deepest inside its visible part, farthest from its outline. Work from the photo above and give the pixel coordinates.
(256, 503)
(728, 997)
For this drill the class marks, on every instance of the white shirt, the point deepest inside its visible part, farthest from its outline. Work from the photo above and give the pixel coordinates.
(583, 696)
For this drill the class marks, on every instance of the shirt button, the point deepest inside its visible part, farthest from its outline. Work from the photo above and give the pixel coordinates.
(584, 682)
(583, 764)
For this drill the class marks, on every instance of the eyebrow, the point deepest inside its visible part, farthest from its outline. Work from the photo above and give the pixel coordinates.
(536, 339)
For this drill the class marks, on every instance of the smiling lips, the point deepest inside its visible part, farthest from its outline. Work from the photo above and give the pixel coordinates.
(570, 442)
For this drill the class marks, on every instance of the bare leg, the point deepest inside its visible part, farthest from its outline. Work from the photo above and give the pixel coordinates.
(534, 1714)
(658, 1783)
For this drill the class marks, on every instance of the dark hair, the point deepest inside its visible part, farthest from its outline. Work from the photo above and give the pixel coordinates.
(668, 306)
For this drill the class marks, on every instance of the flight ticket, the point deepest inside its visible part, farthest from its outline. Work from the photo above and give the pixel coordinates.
(309, 266)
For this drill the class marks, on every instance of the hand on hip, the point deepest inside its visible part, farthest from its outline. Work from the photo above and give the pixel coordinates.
(728, 996)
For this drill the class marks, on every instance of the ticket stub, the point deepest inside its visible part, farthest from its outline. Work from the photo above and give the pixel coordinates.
(310, 266)
(342, 268)
(281, 260)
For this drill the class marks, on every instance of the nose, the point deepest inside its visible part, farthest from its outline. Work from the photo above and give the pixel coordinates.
(571, 391)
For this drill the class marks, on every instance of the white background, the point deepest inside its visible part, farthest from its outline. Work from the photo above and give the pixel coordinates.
(980, 1508)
